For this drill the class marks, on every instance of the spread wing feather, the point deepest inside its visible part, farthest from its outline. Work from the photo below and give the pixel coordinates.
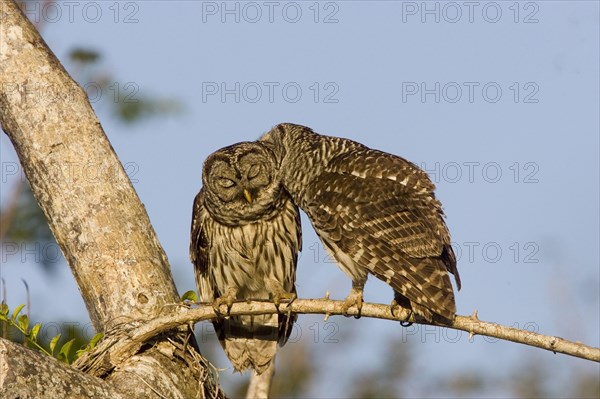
(380, 212)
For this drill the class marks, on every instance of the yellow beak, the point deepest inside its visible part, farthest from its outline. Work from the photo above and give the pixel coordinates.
(248, 196)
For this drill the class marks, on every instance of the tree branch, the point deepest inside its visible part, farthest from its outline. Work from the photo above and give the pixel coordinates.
(115, 346)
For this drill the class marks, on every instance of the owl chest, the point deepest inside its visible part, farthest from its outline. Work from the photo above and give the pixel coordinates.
(239, 257)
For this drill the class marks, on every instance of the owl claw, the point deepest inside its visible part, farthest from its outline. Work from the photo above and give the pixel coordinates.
(406, 323)
(228, 300)
(218, 312)
(355, 298)
(288, 297)
(395, 306)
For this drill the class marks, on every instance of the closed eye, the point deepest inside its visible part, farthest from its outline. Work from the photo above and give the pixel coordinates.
(226, 183)
(253, 171)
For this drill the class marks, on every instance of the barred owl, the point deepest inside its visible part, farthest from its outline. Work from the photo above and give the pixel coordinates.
(375, 213)
(244, 244)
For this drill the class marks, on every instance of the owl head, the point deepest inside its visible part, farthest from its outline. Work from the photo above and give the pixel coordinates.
(281, 136)
(241, 184)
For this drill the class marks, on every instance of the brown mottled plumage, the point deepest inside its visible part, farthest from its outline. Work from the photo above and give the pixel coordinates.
(244, 244)
(375, 212)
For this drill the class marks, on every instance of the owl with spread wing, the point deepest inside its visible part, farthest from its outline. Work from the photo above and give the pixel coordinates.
(376, 213)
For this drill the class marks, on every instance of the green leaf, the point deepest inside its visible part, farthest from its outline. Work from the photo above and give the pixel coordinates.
(3, 311)
(65, 350)
(17, 311)
(94, 340)
(24, 323)
(53, 344)
(190, 296)
(92, 344)
(35, 331)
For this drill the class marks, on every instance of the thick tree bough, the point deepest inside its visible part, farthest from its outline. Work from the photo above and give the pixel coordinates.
(94, 213)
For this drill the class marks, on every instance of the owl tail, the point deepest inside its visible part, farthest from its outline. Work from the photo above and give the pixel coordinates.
(249, 341)
(425, 288)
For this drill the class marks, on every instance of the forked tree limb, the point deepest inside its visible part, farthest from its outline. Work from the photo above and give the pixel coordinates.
(95, 215)
(114, 348)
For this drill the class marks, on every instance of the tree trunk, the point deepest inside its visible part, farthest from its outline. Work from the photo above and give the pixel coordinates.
(29, 374)
(95, 214)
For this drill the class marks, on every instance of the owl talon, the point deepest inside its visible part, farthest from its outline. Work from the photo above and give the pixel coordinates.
(394, 306)
(355, 298)
(228, 300)
(291, 300)
(218, 312)
(287, 297)
(406, 323)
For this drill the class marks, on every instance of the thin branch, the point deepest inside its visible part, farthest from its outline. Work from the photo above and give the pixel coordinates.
(126, 340)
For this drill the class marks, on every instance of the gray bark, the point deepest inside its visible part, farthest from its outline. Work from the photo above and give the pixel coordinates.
(260, 385)
(25, 373)
(95, 214)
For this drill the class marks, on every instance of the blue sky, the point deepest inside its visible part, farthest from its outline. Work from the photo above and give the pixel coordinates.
(498, 101)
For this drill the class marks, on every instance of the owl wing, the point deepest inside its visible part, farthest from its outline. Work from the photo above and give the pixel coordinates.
(290, 213)
(380, 212)
(397, 198)
(199, 250)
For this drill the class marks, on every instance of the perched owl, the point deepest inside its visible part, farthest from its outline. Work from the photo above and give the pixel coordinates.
(375, 213)
(244, 245)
